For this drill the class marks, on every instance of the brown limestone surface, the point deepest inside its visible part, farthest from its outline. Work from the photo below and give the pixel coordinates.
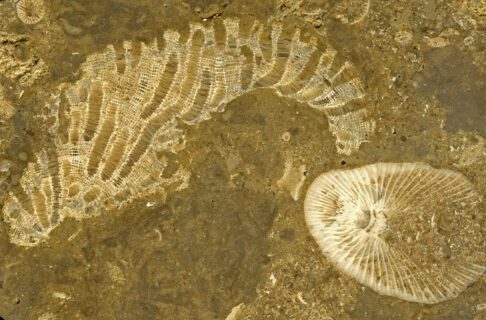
(233, 239)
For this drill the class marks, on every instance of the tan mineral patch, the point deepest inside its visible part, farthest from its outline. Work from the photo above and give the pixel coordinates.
(293, 178)
(7, 109)
(18, 60)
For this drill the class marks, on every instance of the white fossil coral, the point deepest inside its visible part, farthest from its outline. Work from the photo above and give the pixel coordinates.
(113, 126)
(30, 11)
(350, 129)
(403, 229)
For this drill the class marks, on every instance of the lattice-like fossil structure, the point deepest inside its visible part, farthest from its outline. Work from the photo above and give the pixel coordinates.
(403, 229)
(111, 125)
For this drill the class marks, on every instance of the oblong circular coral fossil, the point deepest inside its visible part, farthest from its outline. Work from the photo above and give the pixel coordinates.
(30, 11)
(403, 229)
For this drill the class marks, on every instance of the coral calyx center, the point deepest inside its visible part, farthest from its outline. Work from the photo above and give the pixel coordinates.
(372, 221)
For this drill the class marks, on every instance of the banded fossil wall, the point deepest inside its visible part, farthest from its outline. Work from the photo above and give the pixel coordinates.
(110, 126)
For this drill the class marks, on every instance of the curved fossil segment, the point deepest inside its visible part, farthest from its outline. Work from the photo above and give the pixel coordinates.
(33, 212)
(111, 126)
(403, 229)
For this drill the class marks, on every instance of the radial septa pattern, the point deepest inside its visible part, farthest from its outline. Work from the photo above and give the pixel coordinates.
(405, 230)
(112, 127)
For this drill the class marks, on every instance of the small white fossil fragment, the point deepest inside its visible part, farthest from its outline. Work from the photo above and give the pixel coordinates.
(437, 42)
(150, 204)
(293, 178)
(234, 312)
(116, 274)
(47, 316)
(61, 295)
(159, 234)
(403, 37)
(301, 299)
(5, 165)
(74, 235)
(30, 11)
(273, 279)
(353, 12)
(469, 40)
(351, 130)
(286, 136)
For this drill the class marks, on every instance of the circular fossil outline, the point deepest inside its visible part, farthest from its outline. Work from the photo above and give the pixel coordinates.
(30, 11)
(347, 212)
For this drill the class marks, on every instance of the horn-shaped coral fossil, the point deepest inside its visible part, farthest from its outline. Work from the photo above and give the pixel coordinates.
(110, 125)
(403, 229)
